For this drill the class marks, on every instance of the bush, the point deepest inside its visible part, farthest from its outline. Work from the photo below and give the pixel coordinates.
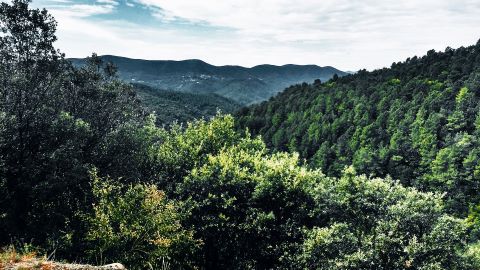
(137, 225)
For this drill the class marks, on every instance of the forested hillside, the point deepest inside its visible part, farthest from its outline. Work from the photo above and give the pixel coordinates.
(418, 121)
(243, 85)
(171, 106)
(87, 175)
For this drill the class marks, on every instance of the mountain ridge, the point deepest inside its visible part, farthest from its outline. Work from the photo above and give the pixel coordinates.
(204, 62)
(244, 85)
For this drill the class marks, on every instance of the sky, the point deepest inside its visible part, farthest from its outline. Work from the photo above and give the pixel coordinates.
(347, 34)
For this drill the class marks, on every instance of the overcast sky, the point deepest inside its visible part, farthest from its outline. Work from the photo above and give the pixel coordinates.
(347, 34)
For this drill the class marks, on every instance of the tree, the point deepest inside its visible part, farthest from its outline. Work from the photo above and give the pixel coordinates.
(29, 68)
(395, 121)
(54, 117)
(379, 224)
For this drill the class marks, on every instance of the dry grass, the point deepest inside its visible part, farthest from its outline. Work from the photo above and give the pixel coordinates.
(47, 266)
(10, 258)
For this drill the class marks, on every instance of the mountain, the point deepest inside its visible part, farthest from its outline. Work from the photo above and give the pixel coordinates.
(243, 85)
(170, 106)
(418, 121)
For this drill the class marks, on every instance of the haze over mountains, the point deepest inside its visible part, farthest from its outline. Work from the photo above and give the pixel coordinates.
(241, 84)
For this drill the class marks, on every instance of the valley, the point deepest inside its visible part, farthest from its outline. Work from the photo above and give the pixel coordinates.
(242, 85)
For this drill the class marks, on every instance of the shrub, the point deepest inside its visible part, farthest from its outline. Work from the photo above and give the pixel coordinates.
(137, 225)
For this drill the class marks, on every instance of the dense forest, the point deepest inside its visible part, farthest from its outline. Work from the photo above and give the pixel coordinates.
(418, 121)
(181, 107)
(87, 175)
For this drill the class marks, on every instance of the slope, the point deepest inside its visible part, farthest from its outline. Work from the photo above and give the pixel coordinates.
(170, 106)
(417, 121)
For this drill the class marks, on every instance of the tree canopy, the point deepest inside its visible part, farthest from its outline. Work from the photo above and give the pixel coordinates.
(417, 121)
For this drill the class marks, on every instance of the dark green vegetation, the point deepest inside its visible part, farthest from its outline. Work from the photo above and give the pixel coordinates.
(418, 121)
(243, 85)
(86, 175)
(170, 106)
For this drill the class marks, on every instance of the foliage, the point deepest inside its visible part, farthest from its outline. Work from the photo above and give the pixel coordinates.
(170, 106)
(206, 196)
(378, 224)
(53, 118)
(416, 121)
(248, 207)
(137, 225)
(473, 253)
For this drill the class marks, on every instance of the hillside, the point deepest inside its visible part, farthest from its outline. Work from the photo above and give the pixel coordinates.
(243, 85)
(87, 177)
(417, 121)
(170, 106)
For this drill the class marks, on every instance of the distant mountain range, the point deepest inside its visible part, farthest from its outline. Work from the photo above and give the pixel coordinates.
(241, 84)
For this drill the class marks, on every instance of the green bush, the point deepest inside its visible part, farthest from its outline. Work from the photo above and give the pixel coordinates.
(138, 226)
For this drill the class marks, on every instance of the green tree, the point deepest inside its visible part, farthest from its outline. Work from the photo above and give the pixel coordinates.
(379, 224)
(55, 118)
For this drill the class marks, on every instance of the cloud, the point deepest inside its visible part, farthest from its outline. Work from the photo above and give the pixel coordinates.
(340, 26)
(73, 8)
(110, 2)
(349, 34)
(287, 20)
(89, 10)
